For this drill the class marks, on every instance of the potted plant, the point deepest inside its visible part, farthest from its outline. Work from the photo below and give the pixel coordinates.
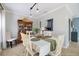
(35, 30)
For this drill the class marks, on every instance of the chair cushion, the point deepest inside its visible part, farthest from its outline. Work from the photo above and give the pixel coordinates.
(12, 39)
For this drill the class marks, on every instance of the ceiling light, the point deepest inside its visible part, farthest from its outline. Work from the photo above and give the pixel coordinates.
(30, 14)
(37, 10)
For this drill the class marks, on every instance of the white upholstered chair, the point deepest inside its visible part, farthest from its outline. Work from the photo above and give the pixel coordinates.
(9, 39)
(8, 35)
(59, 42)
(27, 43)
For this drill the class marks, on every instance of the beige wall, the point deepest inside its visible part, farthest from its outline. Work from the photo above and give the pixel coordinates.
(11, 23)
(60, 22)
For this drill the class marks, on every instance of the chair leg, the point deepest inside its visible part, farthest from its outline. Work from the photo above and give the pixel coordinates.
(11, 44)
(27, 53)
(7, 44)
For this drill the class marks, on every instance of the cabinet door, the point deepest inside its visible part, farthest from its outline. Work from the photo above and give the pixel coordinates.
(76, 26)
(74, 36)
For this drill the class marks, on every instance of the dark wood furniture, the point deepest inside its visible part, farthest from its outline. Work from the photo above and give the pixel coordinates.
(23, 26)
(74, 36)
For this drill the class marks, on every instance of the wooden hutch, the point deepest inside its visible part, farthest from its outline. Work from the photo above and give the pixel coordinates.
(23, 26)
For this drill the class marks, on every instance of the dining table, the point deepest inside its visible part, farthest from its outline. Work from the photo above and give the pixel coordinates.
(46, 39)
(41, 46)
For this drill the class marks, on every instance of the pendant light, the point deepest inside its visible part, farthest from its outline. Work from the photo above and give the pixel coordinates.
(30, 13)
(37, 10)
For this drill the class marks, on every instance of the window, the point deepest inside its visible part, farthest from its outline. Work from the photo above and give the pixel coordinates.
(50, 24)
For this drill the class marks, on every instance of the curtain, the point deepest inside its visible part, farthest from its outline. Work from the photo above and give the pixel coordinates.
(2, 30)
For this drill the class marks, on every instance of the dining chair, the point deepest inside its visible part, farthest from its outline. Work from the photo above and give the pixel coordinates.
(9, 39)
(59, 45)
(27, 43)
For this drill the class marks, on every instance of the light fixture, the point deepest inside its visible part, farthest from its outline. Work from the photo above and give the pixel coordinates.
(30, 13)
(31, 9)
(37, 10)
(33, 6)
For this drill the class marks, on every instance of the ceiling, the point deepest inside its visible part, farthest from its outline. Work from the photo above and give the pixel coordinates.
(24, 8)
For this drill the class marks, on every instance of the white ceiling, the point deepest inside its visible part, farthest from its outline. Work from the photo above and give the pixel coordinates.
(23, 8)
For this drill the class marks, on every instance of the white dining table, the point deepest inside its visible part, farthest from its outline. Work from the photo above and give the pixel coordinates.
(42, 46)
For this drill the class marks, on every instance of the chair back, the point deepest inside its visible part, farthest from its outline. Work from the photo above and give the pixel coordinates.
(8, 35)
(23, 38)
(26, 40)
(60, 42)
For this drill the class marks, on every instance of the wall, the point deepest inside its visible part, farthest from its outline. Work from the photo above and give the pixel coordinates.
(11, 22)
(60, 22)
